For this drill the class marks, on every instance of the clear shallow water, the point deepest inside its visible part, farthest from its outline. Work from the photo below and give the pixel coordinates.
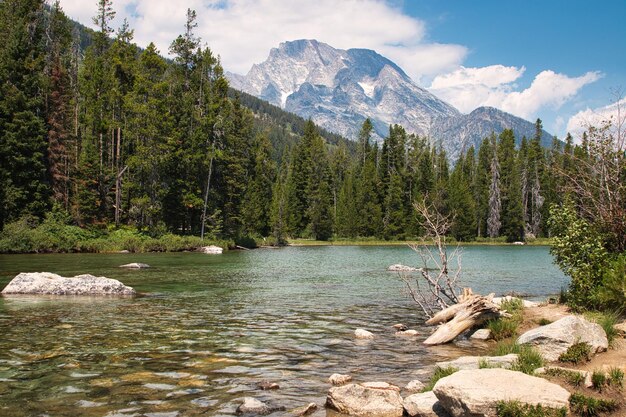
(215, 326)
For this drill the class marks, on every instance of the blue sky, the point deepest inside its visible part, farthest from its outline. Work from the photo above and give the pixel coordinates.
(553, 59)
(571, 37)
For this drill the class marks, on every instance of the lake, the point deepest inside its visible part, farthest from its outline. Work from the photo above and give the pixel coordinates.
(213, 326)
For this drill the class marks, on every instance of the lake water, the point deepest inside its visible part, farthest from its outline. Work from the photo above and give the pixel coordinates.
(214, 326)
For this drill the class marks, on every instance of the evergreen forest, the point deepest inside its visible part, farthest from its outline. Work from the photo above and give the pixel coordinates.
(99, 135)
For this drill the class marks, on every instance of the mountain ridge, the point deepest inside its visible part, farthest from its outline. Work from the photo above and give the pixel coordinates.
(338, 89)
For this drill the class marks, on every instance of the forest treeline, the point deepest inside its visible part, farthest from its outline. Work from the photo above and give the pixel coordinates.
(114, 136)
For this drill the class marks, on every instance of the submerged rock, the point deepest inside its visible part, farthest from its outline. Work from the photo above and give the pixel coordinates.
(400, 327)
(46, 283)
(267, 385)
(305, 410)
(407, 333)
(135, 265)
(212, 250)
(401, 268)
(253, 406)
(555, 338)
(477, 392)
(372, 399)
(339, 379)
(363, 334)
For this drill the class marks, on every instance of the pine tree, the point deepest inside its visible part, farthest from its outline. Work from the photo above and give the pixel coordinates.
(461, 201)
(512, 212)
(23, 189)
(346, 218)
(258, 200)
(318, 192)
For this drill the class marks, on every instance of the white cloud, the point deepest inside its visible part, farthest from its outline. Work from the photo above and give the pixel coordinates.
(469, 88)
(243, 31)
(615, 112)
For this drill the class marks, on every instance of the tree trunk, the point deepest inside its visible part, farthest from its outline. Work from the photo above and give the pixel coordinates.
(473, 311)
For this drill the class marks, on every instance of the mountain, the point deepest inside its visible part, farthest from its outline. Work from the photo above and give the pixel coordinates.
(461, 132)
(338, 89)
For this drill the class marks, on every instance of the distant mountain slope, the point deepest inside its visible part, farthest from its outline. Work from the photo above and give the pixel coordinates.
(339, 89)
(461, 132)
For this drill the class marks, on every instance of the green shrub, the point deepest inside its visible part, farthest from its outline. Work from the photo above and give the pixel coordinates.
(502, 328)
(543, 322)
(616, 377)
(591, 407)
(513, 306)
(505, 347)
(517, 409)
(612, 292)
(439, 373)
(579, 251)
(577, 353)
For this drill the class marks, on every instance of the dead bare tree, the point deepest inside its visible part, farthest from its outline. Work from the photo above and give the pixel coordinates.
(436, 286)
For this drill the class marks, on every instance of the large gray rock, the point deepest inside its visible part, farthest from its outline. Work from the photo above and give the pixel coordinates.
(476, 393)
(414, 386)
(363, 334)
(474, 362)
(425, 404)
(339, 379)
(46, 283)
(555, 338)
(372, 399)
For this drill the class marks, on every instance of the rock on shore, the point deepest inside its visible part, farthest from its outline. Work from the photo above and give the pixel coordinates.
(135, 265)
(371, 399)
(401, 268)
(477, 392)
(212, 250)
(46, 283)
(555, 338)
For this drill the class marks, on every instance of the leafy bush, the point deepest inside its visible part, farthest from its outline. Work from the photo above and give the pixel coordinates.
(591, 407)
(577, 353)
(578, 249)
(612, 292)
(439, 373)
(517, 409)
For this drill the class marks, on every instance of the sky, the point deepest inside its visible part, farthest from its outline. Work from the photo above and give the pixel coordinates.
(563, 61)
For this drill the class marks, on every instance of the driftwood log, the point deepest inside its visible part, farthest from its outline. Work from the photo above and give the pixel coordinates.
(473, 310)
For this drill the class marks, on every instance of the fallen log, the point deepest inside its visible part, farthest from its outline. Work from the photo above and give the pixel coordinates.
(460, 317)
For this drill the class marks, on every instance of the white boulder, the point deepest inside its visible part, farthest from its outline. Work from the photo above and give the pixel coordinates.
(374, 399)
(555, 338)
(481, 334)
(425, 404)
(46, 283)
(476, 392)
(415, 386)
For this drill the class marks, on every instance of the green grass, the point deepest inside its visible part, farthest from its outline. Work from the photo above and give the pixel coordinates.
(572, 377)
(517, 409)
(543, 322)
(598, 379)
(608, 320)
(506, 327)
(439, 373)
(585, 406)
(616, 377)
(577, 353)
(528, 359)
